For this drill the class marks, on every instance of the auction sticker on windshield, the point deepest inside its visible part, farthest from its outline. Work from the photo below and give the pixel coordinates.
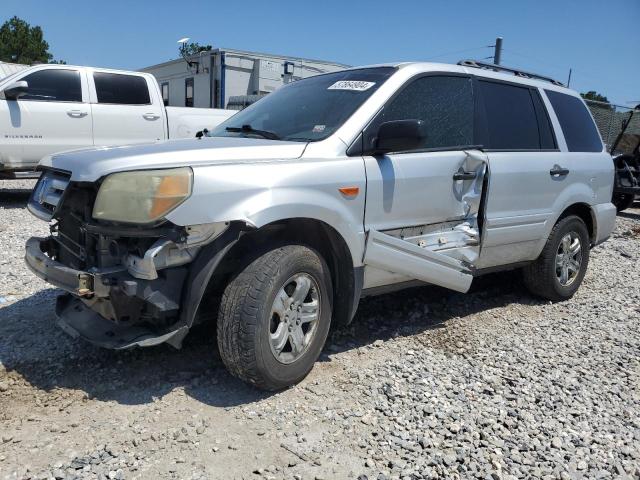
(357, 85)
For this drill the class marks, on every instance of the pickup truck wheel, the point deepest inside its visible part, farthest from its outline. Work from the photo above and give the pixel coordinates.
(558, 272)
(275, 316)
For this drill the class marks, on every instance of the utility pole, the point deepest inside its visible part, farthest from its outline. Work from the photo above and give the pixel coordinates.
(498, 51)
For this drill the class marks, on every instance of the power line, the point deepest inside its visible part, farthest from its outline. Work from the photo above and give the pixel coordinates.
(458, 51)
(564, 68)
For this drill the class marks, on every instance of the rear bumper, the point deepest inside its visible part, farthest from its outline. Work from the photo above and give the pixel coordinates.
(605, 221)
(143, 312)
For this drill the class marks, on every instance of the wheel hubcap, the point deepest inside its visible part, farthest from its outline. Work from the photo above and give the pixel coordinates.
(294, 318)
(568, 259)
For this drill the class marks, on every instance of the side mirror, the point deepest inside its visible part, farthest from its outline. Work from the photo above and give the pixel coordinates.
(399, 135)
(201, 133)
(15, 90)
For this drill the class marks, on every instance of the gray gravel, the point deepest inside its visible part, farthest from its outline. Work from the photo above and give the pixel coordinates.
(425, 383)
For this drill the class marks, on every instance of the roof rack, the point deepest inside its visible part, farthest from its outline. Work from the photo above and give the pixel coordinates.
(499, 68)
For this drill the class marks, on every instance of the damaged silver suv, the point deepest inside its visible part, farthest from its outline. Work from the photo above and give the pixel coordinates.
(277, 222)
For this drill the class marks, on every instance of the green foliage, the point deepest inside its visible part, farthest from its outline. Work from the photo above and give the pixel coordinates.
(22, 43)
(593, 95)
(187, 49)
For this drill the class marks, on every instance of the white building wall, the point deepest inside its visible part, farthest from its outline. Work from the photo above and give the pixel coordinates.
(239, 76)
(175, 74)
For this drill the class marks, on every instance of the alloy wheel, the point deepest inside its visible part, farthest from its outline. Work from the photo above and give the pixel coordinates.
(568, 259)
(294, 318)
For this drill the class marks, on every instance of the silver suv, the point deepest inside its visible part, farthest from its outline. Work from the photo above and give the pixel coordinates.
(277, 222)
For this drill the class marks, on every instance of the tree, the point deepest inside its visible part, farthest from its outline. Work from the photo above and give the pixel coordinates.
(593, 95)
(22, 43)
(188, 49)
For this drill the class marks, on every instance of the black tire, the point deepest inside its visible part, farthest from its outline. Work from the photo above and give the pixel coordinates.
(622, 201)
(245, 317)
(540, 277)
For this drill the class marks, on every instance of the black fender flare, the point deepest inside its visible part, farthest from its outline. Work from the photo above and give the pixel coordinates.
(203, 268)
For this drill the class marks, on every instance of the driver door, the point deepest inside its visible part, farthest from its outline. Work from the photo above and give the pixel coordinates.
(54, 115)
(423, 210)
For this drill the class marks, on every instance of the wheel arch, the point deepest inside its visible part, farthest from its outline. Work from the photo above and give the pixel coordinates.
(584, 212)
(250, 242)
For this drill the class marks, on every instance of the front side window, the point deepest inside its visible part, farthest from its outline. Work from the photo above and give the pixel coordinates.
(116, 88)
(443, 103)
(53, 85)
(511, 118)
(188, 92)
(579, 130)
(307, 110)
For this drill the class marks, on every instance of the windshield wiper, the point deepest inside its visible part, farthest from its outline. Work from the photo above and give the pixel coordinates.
(249, 129)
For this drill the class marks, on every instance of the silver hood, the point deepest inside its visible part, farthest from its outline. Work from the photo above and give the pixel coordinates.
(90, 164)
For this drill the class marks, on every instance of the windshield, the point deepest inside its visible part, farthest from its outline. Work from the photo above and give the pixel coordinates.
(307, 110)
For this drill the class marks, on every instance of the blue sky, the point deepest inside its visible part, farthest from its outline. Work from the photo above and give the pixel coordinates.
(600, 40)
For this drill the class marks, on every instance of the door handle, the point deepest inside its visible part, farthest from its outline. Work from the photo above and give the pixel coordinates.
(76, 113)
(150, 116)
(558, 171)
(463, 175)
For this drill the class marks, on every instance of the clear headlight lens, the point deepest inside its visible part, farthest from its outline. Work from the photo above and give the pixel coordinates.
(142, 196)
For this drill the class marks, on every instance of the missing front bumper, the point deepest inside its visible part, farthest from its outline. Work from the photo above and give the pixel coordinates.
(71, 280)
(109, 307)
(79, 321)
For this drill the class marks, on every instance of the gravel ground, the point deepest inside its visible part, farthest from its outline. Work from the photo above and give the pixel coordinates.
(425, 383)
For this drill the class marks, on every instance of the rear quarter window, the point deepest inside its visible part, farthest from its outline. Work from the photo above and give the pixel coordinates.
(116, 88)
(579, 130)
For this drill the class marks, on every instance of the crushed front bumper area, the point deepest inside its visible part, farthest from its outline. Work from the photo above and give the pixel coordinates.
(73, 281)
(109, 307)
(79, 321)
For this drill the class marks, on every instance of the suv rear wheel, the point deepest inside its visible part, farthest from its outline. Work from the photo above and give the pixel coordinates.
(275, 316)
(558, 272)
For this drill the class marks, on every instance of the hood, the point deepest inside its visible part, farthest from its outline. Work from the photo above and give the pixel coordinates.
(88, 165)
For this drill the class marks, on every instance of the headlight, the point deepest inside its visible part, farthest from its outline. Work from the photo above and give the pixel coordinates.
(142, 196)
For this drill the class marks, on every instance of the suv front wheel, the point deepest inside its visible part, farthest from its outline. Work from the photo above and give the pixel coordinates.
(275, 316)
(558, 272)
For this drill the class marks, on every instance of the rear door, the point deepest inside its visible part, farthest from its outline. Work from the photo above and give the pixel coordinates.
(422, 210)
(53, 116)
(523, 152)
(589, 164)
(126, 109)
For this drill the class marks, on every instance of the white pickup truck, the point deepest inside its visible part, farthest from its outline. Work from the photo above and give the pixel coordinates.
(46, 109)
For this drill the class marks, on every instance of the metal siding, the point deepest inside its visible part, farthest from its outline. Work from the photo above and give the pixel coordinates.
(7, 69)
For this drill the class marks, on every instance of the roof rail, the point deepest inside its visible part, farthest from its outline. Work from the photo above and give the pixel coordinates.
(499, 68)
